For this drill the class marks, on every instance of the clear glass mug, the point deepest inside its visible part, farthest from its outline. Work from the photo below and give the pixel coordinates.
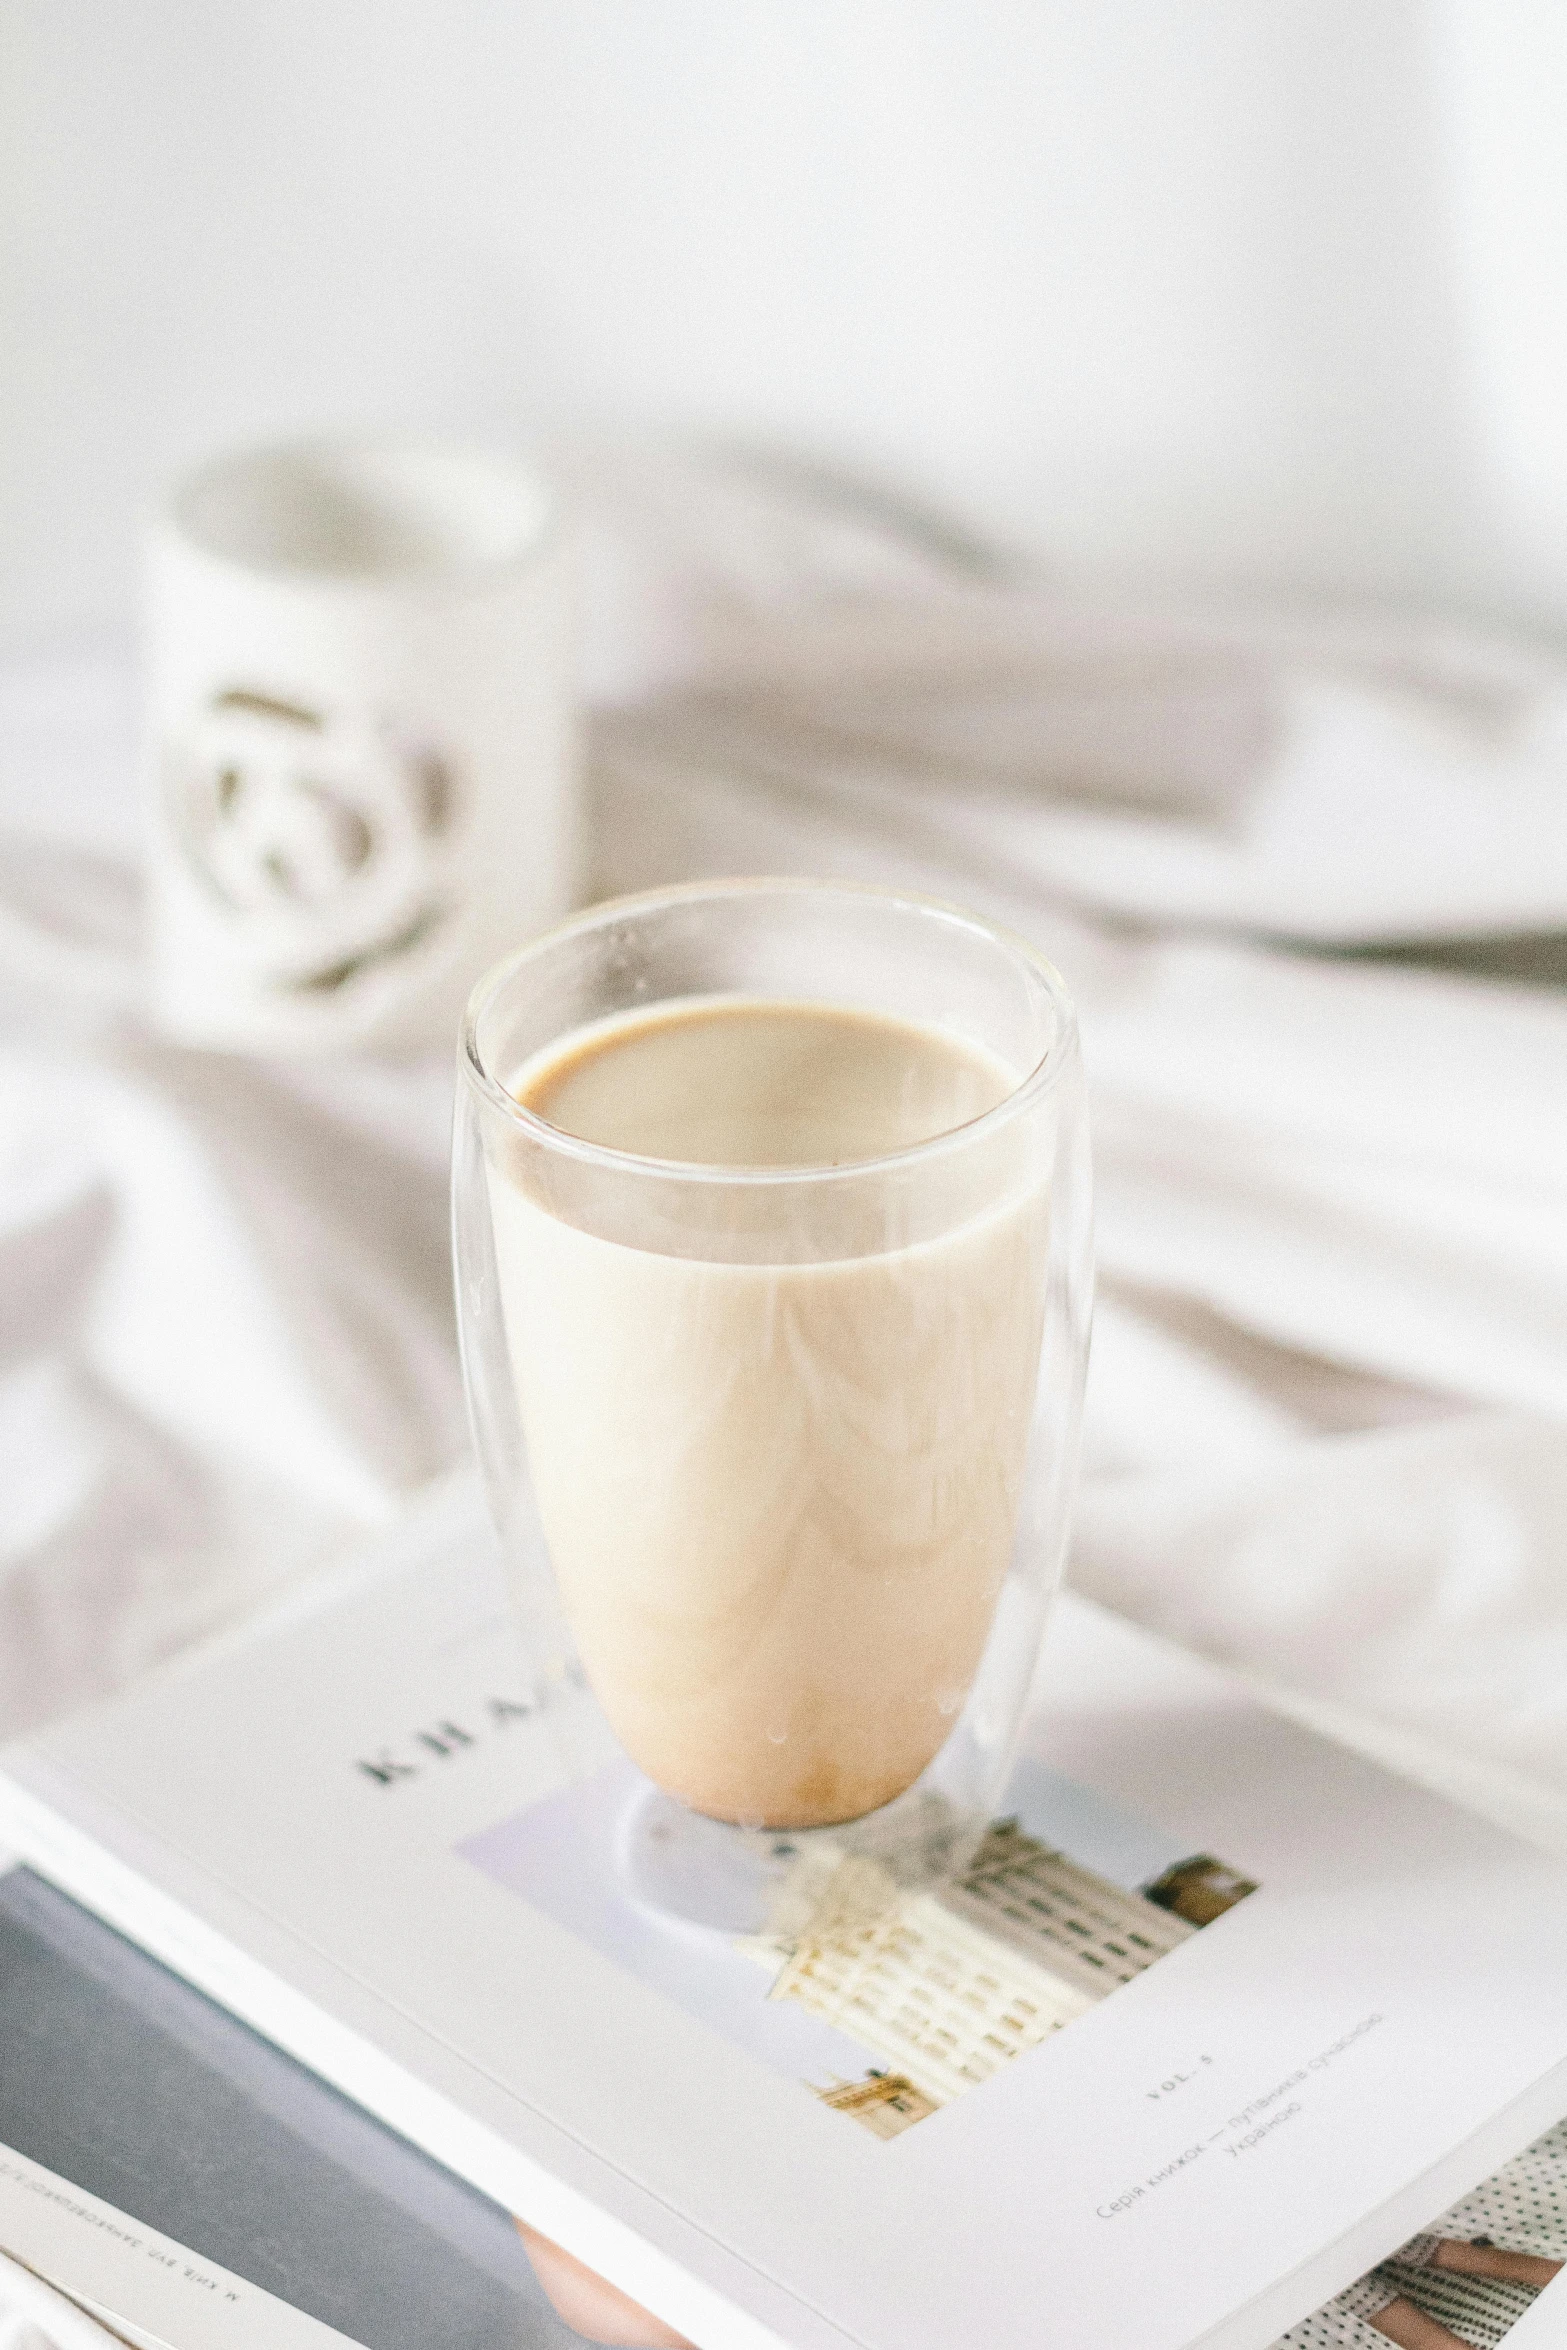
(781, 1458)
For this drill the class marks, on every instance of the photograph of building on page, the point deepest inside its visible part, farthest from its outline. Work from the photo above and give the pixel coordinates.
(1465, 2281)
(888, 2010)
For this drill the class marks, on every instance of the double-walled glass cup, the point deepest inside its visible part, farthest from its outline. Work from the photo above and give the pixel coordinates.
(781, 1456)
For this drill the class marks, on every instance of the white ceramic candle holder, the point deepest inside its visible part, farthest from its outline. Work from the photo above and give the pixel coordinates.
(360, 762)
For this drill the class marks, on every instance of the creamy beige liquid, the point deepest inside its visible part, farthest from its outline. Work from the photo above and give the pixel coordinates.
(780, 1497)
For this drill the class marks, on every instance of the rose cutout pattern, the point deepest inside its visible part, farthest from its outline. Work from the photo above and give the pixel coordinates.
(324, 838)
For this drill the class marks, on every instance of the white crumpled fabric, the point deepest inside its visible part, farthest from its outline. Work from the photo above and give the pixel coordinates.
(1327, 1426)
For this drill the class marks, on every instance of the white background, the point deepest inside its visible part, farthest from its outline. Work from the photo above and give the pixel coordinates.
(1261, 291)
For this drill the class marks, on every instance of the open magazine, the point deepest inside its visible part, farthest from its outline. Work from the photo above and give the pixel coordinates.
(288, 2216)
(1217, 2020)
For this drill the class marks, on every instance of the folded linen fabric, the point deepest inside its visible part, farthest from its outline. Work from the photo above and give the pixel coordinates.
(226, 1338)
(1297, 780)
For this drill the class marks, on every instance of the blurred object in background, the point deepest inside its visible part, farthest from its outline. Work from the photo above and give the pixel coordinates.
(360, 777)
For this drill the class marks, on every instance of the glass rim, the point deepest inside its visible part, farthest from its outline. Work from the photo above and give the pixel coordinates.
(1036, 1082)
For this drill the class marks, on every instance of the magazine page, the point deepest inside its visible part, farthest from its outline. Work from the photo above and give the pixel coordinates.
(1211, 1981)
(1491, 2269)
(146, 2284)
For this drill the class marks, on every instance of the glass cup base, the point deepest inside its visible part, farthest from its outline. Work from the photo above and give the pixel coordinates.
(780, 1882)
